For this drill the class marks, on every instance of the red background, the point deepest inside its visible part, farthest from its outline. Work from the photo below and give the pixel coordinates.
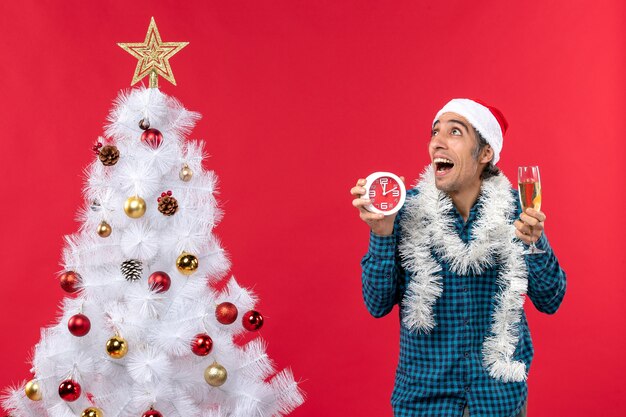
(304, 94)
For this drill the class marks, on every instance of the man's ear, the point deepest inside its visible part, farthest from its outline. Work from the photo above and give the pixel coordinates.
(487, 155)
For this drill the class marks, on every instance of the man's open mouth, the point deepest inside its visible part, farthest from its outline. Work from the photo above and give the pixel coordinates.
(442, 165)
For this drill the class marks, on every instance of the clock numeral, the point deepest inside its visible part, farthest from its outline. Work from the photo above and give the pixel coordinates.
(384, 206)
(372, 193)
(383, 181)
(395, 193)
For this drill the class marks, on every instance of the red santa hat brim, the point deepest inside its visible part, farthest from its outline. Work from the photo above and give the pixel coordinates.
(487, 120)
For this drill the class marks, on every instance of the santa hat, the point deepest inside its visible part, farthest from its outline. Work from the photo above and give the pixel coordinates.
(487, 120)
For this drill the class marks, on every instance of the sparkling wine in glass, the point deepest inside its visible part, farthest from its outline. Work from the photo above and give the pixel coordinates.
(529, 188)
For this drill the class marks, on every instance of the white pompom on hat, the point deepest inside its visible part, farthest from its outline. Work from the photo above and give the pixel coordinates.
(487, 120)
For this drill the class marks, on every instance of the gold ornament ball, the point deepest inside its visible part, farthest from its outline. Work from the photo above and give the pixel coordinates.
(104, 229)
(186, 173)
(32, 390)
(92, 412)
(215, 375)
(187, 263)
(135, 207)
(117, 347)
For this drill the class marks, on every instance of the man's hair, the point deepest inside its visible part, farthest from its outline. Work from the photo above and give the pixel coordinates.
(490, 169)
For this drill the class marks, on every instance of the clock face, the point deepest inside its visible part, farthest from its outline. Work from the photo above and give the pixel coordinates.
(386, 192)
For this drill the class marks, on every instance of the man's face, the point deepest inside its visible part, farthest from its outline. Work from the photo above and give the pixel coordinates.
(452, 143)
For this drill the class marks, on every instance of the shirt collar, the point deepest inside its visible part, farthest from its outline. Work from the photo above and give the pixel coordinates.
(472, 214)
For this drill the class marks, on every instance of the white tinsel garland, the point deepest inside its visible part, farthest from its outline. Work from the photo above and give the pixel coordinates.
(427, 226)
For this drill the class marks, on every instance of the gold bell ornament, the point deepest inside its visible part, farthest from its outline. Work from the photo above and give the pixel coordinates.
(117, 347)
(187, 263)
(185, 173)
(135, 207)
(32, 390)
(215, 375)
(92, 412)
(104, 229)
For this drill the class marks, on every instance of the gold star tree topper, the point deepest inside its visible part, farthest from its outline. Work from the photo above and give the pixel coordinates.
(153, 55)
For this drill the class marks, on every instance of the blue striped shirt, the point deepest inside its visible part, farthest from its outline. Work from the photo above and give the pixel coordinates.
(441, 372)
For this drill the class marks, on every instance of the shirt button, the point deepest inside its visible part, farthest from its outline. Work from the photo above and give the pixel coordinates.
(464, 289)
(466, 354)
(466, 322)
(467, 389)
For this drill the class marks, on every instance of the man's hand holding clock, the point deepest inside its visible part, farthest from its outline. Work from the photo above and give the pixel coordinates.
(378, 198)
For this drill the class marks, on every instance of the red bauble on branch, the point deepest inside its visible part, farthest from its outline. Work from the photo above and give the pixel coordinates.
(226, 313)
(152, 137)
(152, 413)
(69, 281)
(69, 390)
(79, 325)
(252, 320)
(159, 281)
(201, 344)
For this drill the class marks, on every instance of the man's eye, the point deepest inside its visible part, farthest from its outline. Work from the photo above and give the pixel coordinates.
(456, 131)
(434, 133)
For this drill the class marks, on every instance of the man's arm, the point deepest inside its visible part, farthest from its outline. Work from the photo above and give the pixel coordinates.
(546, 280)
(381, 274)
(381, 269)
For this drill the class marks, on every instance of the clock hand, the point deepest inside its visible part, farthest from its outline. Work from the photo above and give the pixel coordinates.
(384, 186)
(385, 193)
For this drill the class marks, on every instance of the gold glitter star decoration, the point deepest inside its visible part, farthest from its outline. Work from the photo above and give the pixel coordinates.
(153, 55)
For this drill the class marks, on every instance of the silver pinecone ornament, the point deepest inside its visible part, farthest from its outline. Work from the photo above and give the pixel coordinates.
(132, 269)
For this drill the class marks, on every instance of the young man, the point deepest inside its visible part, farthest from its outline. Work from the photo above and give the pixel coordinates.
(452, 259)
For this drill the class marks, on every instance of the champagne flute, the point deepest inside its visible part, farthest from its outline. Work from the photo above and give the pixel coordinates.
(529, 189)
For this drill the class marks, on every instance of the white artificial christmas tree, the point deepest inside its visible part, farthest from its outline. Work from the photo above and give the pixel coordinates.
(144, 332)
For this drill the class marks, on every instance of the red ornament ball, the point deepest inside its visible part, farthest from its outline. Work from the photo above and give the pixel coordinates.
(226, 313)
(159, 281)
(79, 325)
(152, 413)
(201, 344)
(152, 137)
(69, 281)
(69, 390)
(252, 320)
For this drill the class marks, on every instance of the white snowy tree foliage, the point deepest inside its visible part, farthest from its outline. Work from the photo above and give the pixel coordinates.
(160, 370)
